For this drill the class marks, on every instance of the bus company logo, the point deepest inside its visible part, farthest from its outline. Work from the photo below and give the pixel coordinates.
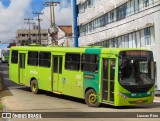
(6, 115)
(33, 72)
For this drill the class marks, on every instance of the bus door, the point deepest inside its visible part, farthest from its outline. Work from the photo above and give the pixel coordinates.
(21, 67)
(108, 75)
(57, 72)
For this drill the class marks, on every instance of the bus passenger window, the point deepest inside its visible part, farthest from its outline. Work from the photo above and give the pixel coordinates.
(14, 58)
(44, 59)
(72, 61)
(33, 58)
(90, 62)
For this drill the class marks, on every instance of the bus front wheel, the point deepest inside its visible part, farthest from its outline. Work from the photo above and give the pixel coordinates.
(34, 86)
(91, 98)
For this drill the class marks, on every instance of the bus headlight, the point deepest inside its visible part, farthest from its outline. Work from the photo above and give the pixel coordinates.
(122, 95)
(150, 93)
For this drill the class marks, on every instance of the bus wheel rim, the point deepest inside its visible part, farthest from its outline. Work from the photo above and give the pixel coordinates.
(92, 98)
(34, 87)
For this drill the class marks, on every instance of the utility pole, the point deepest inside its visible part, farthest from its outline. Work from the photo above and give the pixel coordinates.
(29, 33)
(39, 26)
(53, 30)
(52, 4)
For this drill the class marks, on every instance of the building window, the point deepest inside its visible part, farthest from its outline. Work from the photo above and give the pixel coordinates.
(82, 8)
(106, 19)
(105, 44)
(23, 35)
(111, 16)
(121, 12)
(83, 30)
(114, 42)
(44, 59)
(90, 3)
(72, 61)
(147, 35)
(145, 3)
(19, 35)
(14, 58)
(90, 62)
(90, 27)
(136, 4)
(33, 58)
(85, 5)
(101, 20)
(44, 34)
(126, 41)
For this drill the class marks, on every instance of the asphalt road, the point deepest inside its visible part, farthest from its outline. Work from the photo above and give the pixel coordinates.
(16, 98)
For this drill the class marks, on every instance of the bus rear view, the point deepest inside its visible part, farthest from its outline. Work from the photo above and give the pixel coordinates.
(136, 77)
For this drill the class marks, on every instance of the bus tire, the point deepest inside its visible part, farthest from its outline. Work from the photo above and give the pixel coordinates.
(34, 86)
(91, 98)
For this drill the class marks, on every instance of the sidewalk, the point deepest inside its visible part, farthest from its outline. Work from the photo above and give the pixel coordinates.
(157, 99)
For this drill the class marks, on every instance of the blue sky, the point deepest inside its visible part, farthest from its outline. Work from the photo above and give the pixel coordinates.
(13, 12)
(3, 46)
(37, 5)
(6, 2)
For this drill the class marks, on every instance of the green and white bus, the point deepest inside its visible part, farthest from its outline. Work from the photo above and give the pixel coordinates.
(5, 55)
(116, 76)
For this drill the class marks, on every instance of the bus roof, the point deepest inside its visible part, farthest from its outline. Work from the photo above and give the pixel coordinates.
(73, 49)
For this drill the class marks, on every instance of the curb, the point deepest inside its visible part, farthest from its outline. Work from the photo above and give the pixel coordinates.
(1, 81)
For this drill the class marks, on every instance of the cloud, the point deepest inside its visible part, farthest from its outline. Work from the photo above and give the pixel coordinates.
(63, 15)
(12, 18)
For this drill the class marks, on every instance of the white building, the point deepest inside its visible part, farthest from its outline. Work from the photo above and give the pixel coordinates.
(65, 36)
(23, 38)
(122, 24)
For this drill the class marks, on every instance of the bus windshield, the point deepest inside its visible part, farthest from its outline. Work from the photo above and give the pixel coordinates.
(136, 71)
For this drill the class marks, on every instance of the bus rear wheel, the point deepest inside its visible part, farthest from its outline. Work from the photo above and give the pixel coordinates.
(34, 86)
(91, 98)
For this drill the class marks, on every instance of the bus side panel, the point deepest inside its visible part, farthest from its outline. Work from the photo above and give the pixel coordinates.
(94, 82)
(77, 85)
(72, 83)
(41, 74)
(31, 72)
(13, 71)
(44, 78)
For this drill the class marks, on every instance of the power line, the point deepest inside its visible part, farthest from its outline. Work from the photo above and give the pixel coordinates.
(39, 25)
(47, 17)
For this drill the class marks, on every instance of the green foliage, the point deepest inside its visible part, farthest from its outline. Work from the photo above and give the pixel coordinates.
(1, 107)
